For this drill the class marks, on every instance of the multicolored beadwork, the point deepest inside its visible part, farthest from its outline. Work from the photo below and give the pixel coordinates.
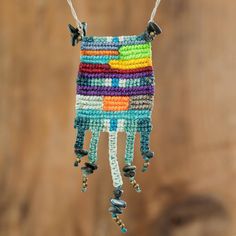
(115, 89)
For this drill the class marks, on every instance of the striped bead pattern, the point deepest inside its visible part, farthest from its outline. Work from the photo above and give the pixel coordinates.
(115, 89)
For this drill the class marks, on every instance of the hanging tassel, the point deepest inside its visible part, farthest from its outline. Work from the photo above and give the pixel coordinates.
(117, 204)
(115, 170)
(145, 150)
(116, 208)
(88, 169)
(130, 170)
(147, 156)
(129, 150)
(93, 146)
(79, 152)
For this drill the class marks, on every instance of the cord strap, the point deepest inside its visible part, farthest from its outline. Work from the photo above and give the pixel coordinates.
(154, 11)
(80, 25)
(73, 12)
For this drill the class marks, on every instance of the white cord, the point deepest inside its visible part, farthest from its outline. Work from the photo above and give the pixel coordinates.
(78, 22)
(154, 11)
(80, 26)
(114, 165)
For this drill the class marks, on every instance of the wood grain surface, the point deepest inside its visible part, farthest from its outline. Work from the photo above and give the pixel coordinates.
(189, 188)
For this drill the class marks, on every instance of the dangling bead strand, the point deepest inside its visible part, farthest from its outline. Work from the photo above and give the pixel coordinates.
(79, 152)
(88, 169)
(135, 185)
(147, 156)
(84, 183)
(79, 155)
(119, 223)
(145, 165)
(77, 162)
(129, 171)
(116, 208)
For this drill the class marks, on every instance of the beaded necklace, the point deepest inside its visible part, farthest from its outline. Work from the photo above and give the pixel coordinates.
(115, 90)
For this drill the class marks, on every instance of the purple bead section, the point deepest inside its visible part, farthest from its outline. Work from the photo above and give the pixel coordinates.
(110, 91)
(116, 75)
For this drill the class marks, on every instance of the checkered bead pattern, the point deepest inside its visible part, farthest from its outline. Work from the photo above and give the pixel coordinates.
(115, 89)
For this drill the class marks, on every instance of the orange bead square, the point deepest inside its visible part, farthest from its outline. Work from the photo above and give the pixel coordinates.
(115, 103)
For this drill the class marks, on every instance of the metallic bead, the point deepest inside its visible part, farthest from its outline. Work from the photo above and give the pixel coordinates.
(118, 203)
(84, 184)
(81, 152)
(77, 162)
(123, 229)
(145, 166)
(91, 165)
(129, 171)
(152, 34)
(152, 30)
(148, 155)
(86, 171)
(117, 193)
(128, 168)
(135, 185)
(129, 174)
(115, 210)
(76, 34)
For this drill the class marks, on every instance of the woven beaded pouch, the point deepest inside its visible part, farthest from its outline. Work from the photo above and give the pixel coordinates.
(115, 89)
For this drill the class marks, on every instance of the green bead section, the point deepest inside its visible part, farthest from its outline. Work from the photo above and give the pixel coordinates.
(130, 52)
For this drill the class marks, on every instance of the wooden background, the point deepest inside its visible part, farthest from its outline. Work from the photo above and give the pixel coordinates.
(189, 189)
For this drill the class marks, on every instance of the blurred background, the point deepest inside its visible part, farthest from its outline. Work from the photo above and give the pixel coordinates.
(189, 188)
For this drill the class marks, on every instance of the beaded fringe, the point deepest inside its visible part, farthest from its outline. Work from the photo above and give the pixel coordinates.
(115, 89)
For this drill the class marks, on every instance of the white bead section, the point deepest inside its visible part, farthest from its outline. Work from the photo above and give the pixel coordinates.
(109, 39)
(108, 83)
(121, 38)
(115, 170)
(122, 83)
(106, 125)
(121, 125)
(88, 102)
